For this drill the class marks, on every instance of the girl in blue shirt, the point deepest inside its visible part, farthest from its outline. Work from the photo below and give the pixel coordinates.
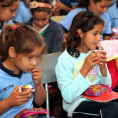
(79, 67)
(20, 49)
(7, 11)
(98, 7)
(113, 14)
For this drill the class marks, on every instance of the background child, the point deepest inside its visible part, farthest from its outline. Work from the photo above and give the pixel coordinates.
(113, 14)
(79, 67)
(23, 12)
(98, 7)
(20, 49)
(51, 31)
(7, 11)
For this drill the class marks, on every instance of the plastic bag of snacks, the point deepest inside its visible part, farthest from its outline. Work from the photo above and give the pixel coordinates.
(32, 113)
(97, 90)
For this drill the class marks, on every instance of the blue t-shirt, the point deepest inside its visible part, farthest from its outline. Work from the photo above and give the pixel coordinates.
(23, 13)
(66, 22)
(113, 2)
(113, 14)
(8, 81)
(3, 24)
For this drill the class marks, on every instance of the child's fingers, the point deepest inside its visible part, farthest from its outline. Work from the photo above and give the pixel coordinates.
(16, 89)
(23, 100)
(23, 93)
(103, 52)
(36, 68)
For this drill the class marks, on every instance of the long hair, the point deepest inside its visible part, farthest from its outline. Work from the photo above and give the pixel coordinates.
(74, 40)
(22, 38)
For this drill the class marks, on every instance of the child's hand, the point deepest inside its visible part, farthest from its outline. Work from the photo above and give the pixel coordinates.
(18, 98)
(89, 62)
(102, 59)
(36, 75)
(57, 8)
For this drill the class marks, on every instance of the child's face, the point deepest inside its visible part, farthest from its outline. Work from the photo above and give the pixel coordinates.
(5, 14)
(40, 19)
(8, 12)
(91, 38)
(100, 7)
(27, 62)
(13, 8)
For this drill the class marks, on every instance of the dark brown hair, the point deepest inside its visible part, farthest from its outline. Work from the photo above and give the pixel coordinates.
(7, 3)
(74, 40)
(23, 39)
(85, 3)
(39, 9)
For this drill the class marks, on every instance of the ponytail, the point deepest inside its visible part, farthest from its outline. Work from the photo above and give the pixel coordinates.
(4, 41)
(23, 38)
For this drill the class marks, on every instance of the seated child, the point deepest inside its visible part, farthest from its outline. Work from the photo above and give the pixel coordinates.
(7, 11)
(20, 49)
(50, 30)
(79, 67)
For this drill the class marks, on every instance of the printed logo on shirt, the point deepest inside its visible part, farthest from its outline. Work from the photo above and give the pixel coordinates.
(92, 73)
(6, 88)
(77, 68)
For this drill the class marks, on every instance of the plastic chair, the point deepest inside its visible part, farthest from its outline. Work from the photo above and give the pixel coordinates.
(48, 74)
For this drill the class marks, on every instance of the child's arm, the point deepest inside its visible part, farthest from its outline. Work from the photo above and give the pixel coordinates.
(15, 99)
(57, 8)
(70, 81)
(105, 75)
(40, 93)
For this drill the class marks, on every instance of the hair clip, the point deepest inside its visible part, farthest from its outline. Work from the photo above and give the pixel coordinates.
(36, 4)
(14, 27)
(88, 14)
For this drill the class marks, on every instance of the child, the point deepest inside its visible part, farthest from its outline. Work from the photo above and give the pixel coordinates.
(23, 12)
(7, 11)
(113, 14)
(51, 31)
(20, 49)
(98, 7)
(79, 67)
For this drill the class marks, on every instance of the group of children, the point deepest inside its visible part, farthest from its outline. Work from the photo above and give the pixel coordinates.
(78, 67)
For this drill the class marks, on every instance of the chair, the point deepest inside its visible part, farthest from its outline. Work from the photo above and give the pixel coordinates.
(48, 74)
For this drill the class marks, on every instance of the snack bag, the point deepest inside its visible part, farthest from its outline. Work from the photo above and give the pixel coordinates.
(97, 90)
(26, 87)
(31, 113)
